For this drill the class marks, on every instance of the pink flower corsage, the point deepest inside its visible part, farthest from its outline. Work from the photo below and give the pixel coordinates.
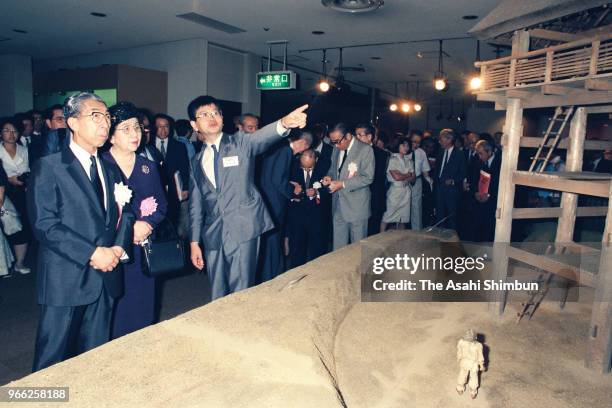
(148, 206)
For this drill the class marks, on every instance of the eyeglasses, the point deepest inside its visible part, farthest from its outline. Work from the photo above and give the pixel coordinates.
(211, 114)
(9, 131)
(127, 129)
(98, 117)
(58, 119)
(337, 142)
(163, 127)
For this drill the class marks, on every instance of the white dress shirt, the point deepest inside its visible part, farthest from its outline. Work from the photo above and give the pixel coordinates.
(84, 157)
(158, 144)
(445, 158)
(15, 166)
(208, 163)
(345, 152)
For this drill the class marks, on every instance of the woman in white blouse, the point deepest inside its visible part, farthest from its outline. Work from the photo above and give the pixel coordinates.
(15, 163)
(400, 175)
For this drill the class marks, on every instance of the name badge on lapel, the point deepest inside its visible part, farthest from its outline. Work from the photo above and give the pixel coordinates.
(230, 161)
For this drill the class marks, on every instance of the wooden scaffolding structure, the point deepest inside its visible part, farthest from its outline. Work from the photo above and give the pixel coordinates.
(576, 73)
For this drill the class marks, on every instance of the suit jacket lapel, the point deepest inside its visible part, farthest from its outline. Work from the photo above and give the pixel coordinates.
(111, 206)
(80, 177)
(198, 172)
(224, 146)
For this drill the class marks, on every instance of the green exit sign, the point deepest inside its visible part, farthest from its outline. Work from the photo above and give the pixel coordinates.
(276, 80)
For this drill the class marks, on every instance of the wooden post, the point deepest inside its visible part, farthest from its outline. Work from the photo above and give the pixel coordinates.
(520, 45)
(599, 342)
(548, 67)
(575, 153)
(513, 130)
(511, 141)
(594, 57)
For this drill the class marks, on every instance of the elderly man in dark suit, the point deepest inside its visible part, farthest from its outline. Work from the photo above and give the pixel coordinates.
(80, 218)
(277, 189)
(227, 212)
(483, 212)
(449, 178)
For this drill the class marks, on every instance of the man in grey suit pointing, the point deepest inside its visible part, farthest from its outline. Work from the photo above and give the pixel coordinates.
(349, 177)
(227, 214)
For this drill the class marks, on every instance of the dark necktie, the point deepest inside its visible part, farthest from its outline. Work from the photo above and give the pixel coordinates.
(96, 182)
(343, 160)
(307, 181)
(162, 149)
(444, 162)
(216, 165)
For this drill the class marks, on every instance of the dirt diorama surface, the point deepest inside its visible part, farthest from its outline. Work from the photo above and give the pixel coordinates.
(306, 339)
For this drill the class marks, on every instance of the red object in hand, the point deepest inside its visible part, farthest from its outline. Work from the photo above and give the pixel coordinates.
(483, 182)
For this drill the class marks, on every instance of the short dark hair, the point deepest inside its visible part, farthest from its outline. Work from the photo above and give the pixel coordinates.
(200, 101)
(170, 120)
(343, 128)
(394, 147)
(368, 128)
(12, 121)
(182, 127)
(49, 111)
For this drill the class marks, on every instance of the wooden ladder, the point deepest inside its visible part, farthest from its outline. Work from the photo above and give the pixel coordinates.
(555, 128)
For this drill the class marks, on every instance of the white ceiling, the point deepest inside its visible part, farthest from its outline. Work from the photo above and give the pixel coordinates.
(65, 27)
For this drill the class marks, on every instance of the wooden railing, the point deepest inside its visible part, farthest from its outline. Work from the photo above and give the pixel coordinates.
(586, 58)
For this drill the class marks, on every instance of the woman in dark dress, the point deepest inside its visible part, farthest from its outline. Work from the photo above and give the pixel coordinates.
(136, 308)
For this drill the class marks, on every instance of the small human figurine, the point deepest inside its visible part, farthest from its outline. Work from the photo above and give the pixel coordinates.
(471, 360)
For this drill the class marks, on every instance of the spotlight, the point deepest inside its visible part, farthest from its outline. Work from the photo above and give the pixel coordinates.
(405, 107)
(475, 83)
(417, 107)
(323, 86)
(440, 83)
(393, 107)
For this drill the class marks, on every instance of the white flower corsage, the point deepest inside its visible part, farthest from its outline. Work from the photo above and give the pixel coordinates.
(123, 194)
(316, 185)
(352, 168)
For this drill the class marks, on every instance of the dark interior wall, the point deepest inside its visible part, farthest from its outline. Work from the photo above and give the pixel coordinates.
(144, 87)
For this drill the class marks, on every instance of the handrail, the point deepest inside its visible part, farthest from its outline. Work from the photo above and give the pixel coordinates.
(543, 51)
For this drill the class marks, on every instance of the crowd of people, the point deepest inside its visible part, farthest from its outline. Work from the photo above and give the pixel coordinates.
(251, 203)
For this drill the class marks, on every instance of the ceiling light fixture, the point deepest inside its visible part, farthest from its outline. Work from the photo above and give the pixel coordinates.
(324, 84)
(405, 107)
(440, 82)
(353, 6)
(417, 106)
(475, 80)
(393, 107)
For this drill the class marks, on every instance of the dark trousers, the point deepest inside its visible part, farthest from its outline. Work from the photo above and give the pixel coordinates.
(271, 255)
(306, 243)
(374, 223)
(447, 199)
(67, 331)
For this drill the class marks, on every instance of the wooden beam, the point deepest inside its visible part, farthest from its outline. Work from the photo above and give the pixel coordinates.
(555, 90)
(520, 93)
(534, 142)
(607, 29)
(599, 109)
(551, 181)
(552, 265)
(598, 84)
(555, 212)
(553, 35)
(575, 97)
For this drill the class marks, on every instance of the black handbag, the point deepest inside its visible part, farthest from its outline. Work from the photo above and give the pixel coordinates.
(164, 251)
